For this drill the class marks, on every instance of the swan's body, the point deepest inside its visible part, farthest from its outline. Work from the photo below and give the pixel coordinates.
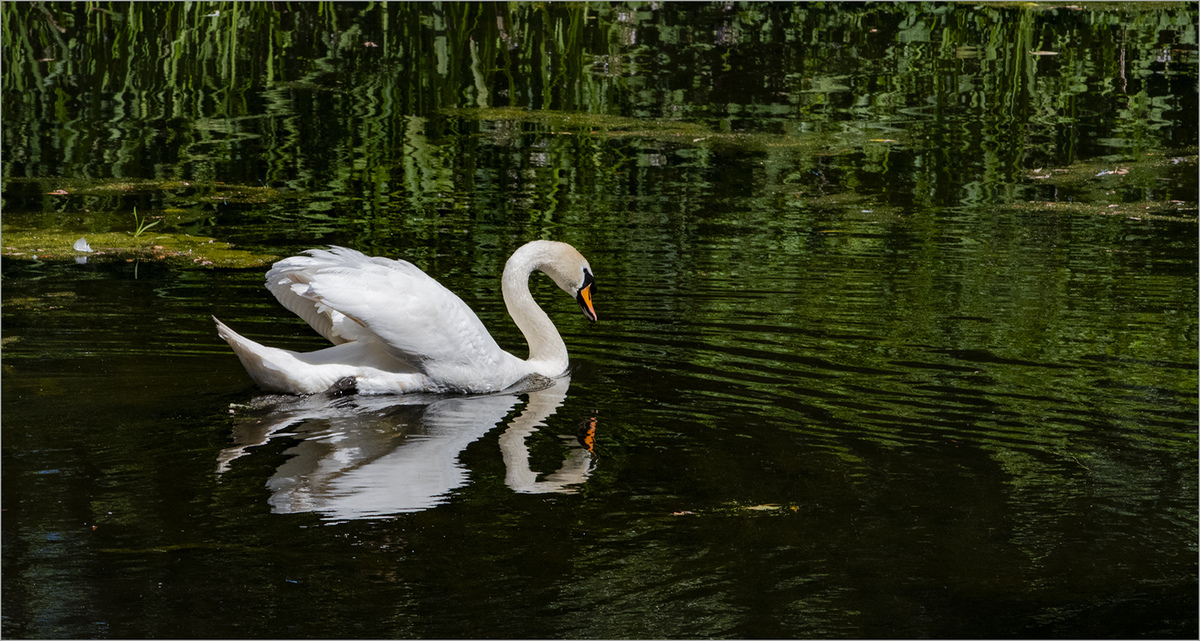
(396, 330)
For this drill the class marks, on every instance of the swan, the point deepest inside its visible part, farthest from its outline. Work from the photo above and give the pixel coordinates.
(396, 330)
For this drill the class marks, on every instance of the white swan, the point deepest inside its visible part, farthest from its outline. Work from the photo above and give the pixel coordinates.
(396, 330)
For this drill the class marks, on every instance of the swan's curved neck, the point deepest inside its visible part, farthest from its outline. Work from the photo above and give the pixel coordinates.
(547, 351)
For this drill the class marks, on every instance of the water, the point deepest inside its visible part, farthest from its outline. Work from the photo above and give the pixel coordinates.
(879, 353)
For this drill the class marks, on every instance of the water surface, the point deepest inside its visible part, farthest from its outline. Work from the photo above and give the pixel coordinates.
(897, 336)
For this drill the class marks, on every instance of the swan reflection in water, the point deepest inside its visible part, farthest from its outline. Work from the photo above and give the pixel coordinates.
(373, 456)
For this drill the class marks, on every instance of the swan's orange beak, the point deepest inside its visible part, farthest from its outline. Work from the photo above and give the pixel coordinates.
(584, 297)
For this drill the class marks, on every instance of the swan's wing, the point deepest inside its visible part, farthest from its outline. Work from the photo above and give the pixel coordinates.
(346, 295)
(289, 281)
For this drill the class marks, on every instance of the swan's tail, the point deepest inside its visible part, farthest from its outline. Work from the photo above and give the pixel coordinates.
(268, 366)
(369, 368)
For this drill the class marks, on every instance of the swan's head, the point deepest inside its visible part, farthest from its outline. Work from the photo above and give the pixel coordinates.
(566, 267)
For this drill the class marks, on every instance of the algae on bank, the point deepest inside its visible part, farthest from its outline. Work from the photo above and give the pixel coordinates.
(674, 131)
(56, 244)
(197, 190)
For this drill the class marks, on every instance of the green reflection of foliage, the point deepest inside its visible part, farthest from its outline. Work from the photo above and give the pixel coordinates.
(756, 145)
(204, 63)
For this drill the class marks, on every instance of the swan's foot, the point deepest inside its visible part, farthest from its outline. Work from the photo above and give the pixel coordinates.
(531, 383)
(345, 386)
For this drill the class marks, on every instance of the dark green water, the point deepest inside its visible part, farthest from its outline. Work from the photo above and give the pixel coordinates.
(898, 321)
